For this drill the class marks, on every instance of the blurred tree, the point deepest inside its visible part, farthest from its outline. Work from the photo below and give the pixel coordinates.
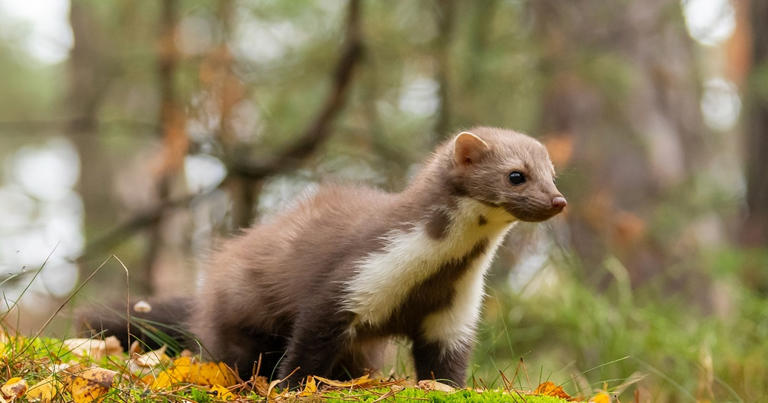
(626, 100)
(89, 79)
(217, 73)
(756, 129)
(172, 124)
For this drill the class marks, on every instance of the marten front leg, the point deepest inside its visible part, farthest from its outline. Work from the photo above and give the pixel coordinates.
(316, 344)
(440, 361)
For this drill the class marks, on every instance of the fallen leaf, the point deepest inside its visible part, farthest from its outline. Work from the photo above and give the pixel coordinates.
(429, 384)
(14, 388)
(135, 348)
(211, 373)
(174, 375)
(96, 349)
(221, 393)
(142, 364)
(363, 380)
(90, 384)
(185, 370)
(550, 389)
(45, 390)
(148, 379)
(310, 388)
(601, 397)
(271, 392)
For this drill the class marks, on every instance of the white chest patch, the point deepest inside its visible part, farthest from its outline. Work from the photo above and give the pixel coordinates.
(386, 277)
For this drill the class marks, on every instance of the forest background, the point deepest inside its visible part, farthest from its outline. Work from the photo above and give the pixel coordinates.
(148, 130)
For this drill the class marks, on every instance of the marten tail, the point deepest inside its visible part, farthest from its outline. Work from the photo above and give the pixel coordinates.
(159, 322)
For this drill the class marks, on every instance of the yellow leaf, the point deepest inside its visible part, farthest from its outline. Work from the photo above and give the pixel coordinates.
(601, 397)
(271, 391)
(184, 370)
(550, 389)
(309, 388)
(148, 379)
(44, 390)
(363, 380)
(211, 373)
(221, 393)
(15, 387)
(177, 373)
(90, 384)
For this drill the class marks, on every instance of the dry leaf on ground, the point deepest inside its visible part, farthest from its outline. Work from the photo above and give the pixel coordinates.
(211, 373)
(142, 364)
(14, 388)
(310, 388)
(429, 384)
(96, 349)
(550, 389)
(45, 390)
(177, 373)
(363, 380)
(185, 370)
(221, 393)
(90, 384)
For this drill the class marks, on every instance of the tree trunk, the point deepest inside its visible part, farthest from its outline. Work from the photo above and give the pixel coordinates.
(756, 225)
(175, 143)
(627, 87)
(86, 88)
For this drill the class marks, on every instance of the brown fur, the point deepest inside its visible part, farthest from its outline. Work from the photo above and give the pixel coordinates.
(276, 291)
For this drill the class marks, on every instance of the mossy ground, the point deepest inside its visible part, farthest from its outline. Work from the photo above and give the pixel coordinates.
(35, 359)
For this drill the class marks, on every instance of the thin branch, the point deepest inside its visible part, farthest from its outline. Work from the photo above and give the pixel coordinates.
(318, 130)
(76, 124)
(140, 221)
(290, 158)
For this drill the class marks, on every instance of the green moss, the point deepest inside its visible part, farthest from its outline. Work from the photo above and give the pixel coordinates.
(411, 394)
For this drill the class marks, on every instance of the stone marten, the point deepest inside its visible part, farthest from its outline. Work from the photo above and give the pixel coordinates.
(320, 288)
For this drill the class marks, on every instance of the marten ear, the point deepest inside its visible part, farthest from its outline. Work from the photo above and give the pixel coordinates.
(468, 148)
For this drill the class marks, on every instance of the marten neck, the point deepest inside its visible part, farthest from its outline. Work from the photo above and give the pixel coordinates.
(436, 199)
(434, 226)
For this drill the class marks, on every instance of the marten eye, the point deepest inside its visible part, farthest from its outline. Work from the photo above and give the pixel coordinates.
(516, 178)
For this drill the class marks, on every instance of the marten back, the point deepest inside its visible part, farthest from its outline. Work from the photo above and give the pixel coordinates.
(276, 265)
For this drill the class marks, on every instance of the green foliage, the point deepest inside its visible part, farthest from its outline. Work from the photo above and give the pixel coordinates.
(583, 339)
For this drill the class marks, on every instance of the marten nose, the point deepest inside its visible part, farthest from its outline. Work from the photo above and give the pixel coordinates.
(559, 202)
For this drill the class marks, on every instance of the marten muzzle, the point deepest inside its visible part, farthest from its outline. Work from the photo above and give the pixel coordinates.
(534, 209)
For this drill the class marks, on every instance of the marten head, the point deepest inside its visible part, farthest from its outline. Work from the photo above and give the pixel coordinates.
(505, 169)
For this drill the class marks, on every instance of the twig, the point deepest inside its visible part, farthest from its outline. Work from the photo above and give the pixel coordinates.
(142, 220)
(318, 129)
